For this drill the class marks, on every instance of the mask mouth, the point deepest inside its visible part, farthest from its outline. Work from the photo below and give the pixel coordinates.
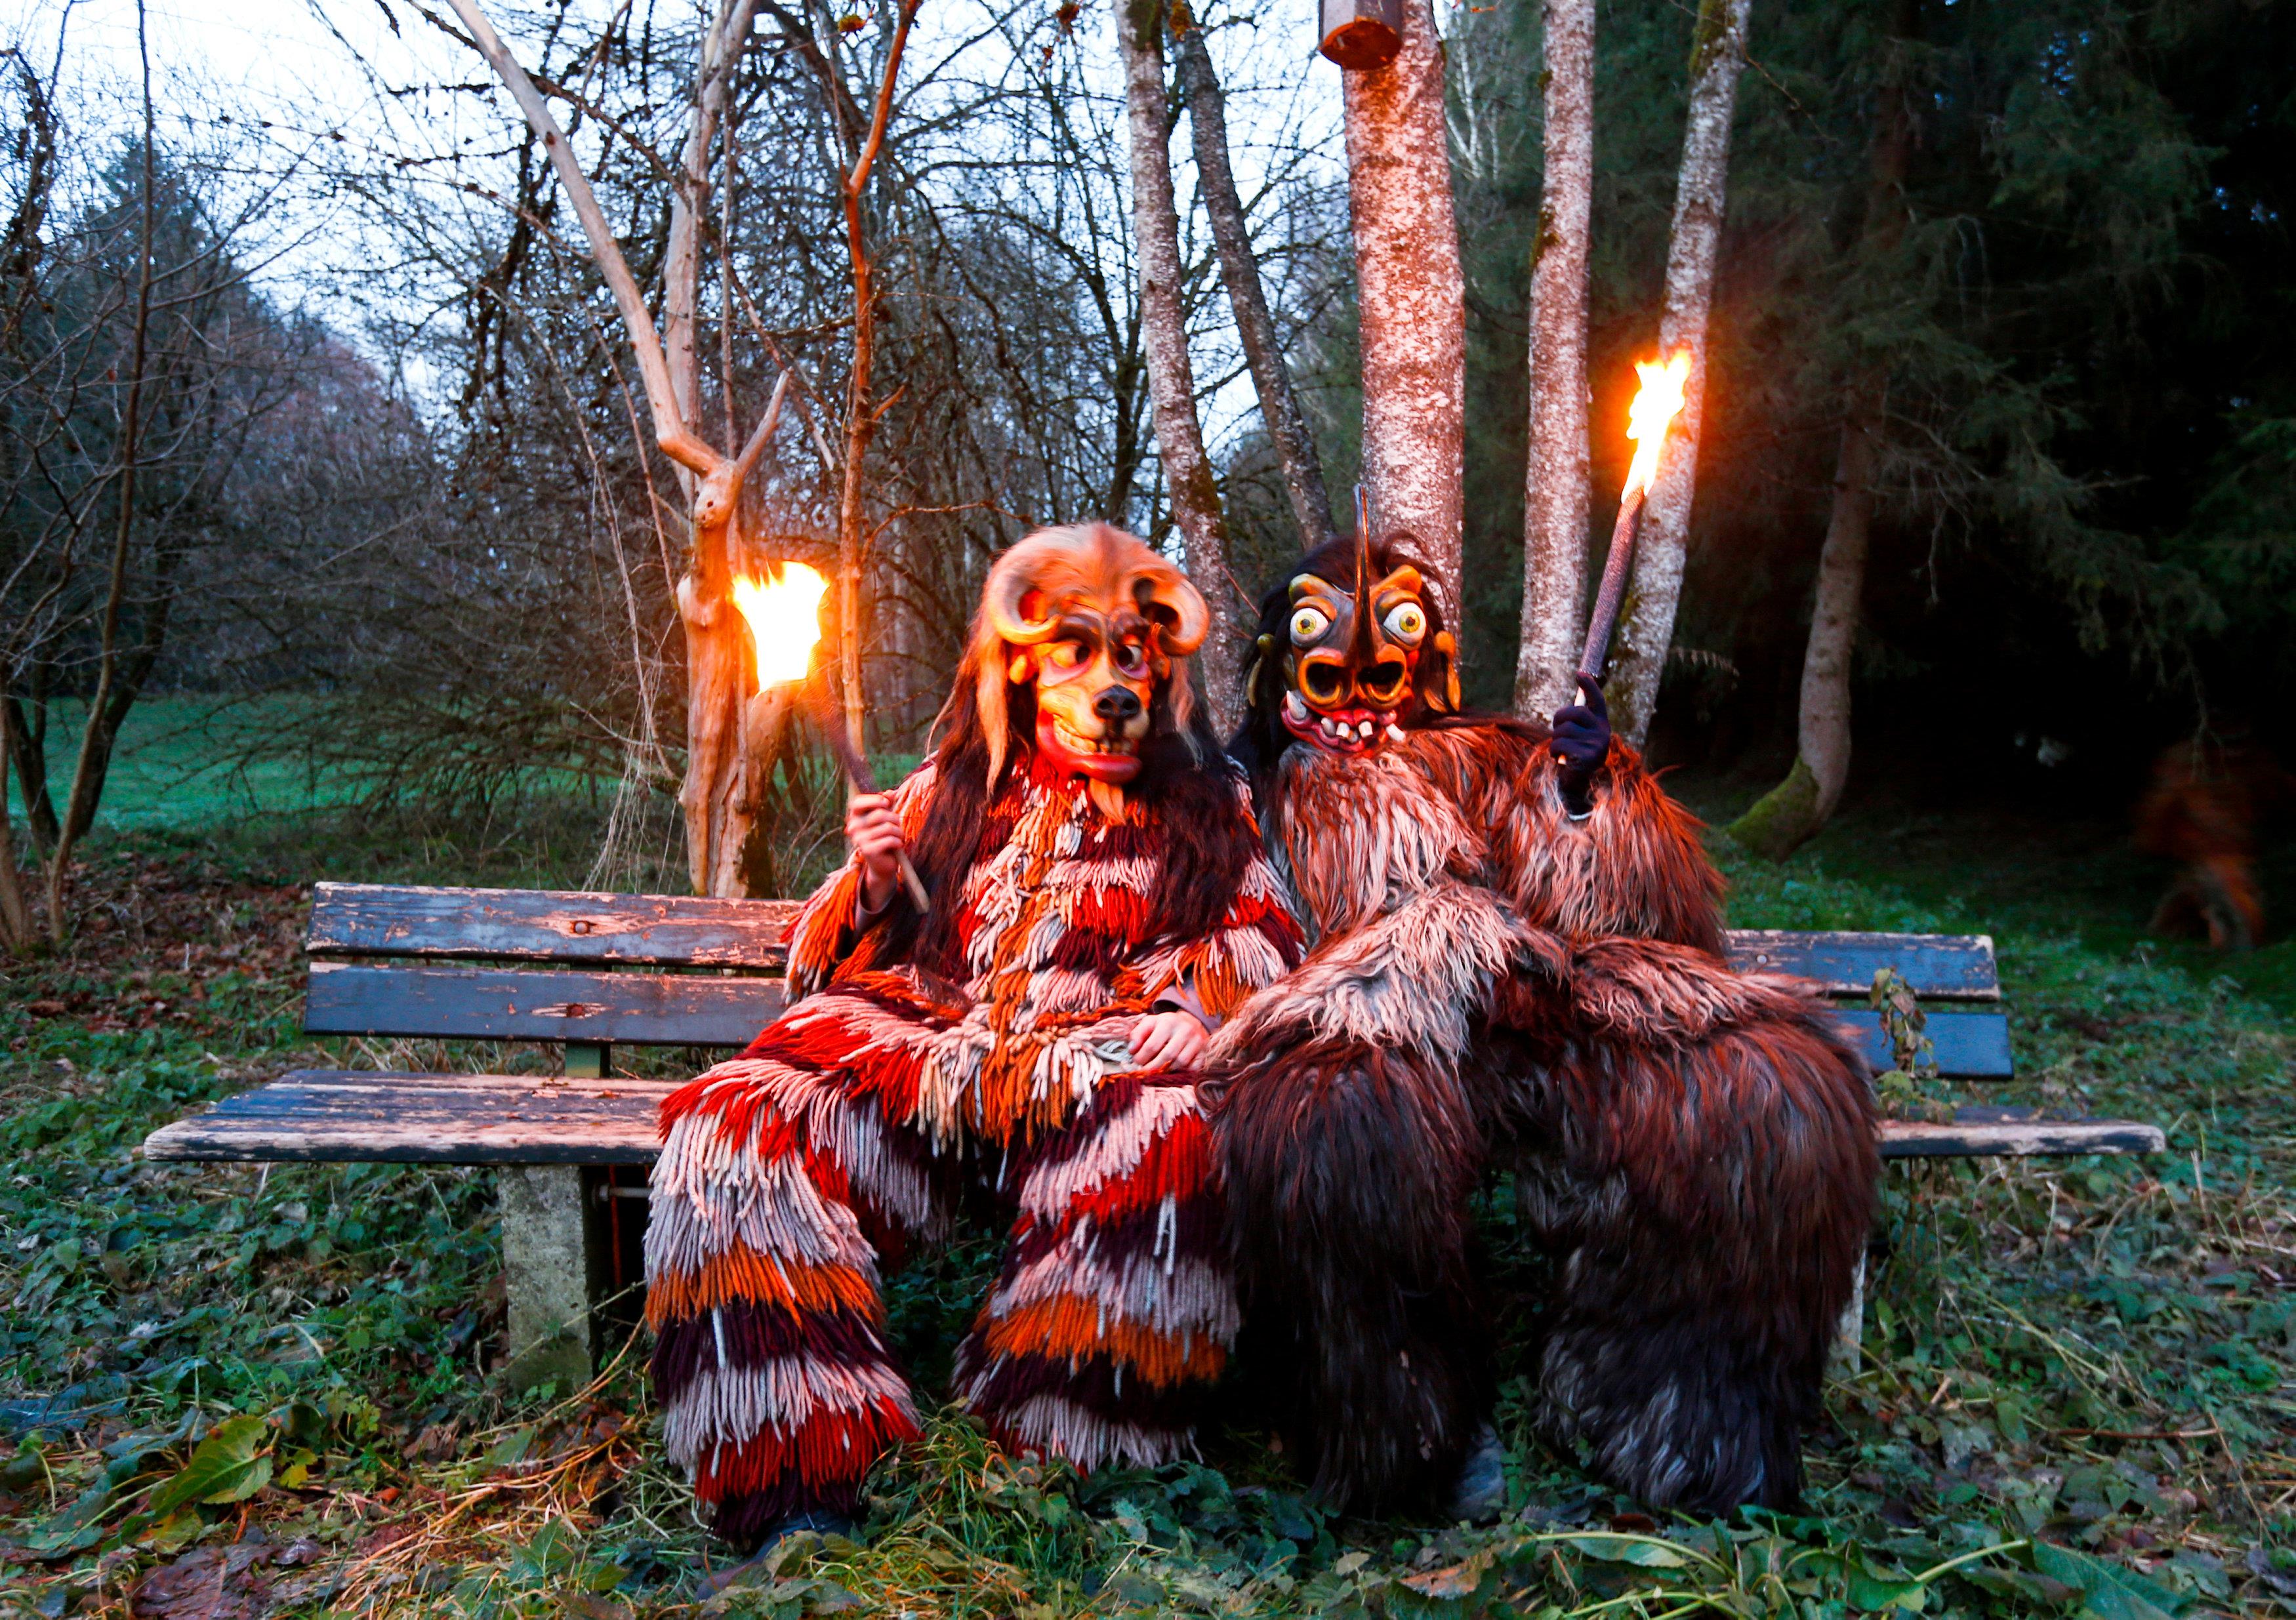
(1108, 758)
(1346, 730)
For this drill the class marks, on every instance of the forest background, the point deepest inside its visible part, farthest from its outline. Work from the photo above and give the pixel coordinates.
(392, 458)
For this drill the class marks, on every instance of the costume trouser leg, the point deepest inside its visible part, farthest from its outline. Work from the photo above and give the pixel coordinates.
(778, 1183)
(1350, 1173)
(1114, 1310)
(1706, 1206)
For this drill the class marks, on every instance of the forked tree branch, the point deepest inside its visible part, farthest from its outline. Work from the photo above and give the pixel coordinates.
(677, 440)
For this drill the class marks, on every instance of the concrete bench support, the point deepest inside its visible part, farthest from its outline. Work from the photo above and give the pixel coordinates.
(553, 1257)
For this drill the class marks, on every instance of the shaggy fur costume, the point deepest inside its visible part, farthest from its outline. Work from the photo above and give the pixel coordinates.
(1492, 983)
(988, 1043)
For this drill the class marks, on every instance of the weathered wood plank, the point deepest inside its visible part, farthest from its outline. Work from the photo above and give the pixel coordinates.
(540, 925)
(2017, 1139)
(1952, 967)
(370, 1116)
(1968, 1045)
(516, 1004)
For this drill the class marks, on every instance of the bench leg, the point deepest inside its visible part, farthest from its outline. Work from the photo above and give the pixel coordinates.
(1850, 1333)
(551, 1258)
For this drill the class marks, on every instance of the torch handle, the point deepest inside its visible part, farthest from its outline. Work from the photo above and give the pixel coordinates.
(1604, 619)
(858, 771)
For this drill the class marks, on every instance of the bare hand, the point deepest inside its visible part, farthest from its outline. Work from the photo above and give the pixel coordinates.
(1168, 1040)
(874, 832)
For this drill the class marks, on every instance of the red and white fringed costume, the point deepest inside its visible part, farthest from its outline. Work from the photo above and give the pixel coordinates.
(846, 1130)
(1492, 983)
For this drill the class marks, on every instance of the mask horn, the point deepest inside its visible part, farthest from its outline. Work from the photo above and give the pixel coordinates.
(1361, 642)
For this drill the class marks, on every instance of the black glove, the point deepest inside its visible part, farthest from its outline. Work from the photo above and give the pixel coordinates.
(1582, 741)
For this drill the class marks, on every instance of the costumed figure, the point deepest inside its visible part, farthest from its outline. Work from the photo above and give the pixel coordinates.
(1516, 961)
(1100, 897)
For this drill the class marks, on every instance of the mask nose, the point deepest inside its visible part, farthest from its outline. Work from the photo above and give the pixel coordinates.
(1116, 706)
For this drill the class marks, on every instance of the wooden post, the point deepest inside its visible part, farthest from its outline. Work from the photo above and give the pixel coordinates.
(553, 1248)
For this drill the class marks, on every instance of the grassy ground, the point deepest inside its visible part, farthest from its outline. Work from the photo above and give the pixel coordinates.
(235, 1392)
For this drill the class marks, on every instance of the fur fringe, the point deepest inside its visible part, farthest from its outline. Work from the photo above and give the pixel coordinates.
(838, 1135)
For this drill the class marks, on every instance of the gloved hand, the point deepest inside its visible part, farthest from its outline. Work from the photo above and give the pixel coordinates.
(1582, 741)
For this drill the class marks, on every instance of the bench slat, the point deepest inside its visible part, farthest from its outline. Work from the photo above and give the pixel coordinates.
(1968, 1045)
(695, 1010)
(2017, 1139)
(1952, 967)
(362, 1115)
(343, 1116)
(678, 931)
(515, 1004)
(540, 925)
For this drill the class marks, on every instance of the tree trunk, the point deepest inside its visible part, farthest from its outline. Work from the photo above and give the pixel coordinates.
(1555, 492)
(97, 736)
(15, 914)
(1411, 298)
(28, 748)
(1171, 380)
(1792, 813)
(1717, 54)
(1279, 401)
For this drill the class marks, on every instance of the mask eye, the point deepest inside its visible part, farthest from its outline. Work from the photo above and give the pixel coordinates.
(1132, 659)
(1065, 655)
(1306, 625)
(1407, 622)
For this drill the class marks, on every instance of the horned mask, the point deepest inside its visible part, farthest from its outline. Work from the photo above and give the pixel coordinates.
(1357, 640)
(1098, 624)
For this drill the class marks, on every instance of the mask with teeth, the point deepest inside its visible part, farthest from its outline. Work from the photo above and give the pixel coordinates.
(1099, 627)
(1352, 650)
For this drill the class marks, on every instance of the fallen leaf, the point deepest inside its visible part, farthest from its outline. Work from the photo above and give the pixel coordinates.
(207, 1584)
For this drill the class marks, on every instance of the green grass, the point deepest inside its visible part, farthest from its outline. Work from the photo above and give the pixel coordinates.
(2077, 1394)
(180, 764)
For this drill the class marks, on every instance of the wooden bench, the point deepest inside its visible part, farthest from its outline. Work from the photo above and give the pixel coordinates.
(591, 972)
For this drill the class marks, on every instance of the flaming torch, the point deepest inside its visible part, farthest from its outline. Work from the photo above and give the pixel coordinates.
(1657, 402)
(783, 614)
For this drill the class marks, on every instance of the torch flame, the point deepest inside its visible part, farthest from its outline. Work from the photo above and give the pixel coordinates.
(784, 620)
(1656, 404)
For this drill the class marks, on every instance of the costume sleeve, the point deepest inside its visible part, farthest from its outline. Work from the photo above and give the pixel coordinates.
(1258, 940)
(831, 923)
(1634, 866)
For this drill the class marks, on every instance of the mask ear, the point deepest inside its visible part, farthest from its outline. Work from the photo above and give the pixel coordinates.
(1021, 669)
(1261, 649)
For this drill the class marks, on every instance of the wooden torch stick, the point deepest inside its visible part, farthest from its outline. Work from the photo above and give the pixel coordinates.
(1604, 619)
(864, 778)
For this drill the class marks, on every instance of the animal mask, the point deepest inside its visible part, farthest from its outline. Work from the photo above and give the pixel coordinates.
(1353, 648)
(1097, 624)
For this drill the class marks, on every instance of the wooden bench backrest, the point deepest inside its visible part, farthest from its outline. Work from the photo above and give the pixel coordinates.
(675, 971)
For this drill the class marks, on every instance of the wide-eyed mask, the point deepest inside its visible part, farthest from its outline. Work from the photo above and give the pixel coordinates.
(1359, 657)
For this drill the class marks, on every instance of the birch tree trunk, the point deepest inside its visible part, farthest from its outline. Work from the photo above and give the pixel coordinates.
(1412, 299)
(1717, 53)
(1279, 401)
(1790, 813)
(1171, 380)
(1555, 492)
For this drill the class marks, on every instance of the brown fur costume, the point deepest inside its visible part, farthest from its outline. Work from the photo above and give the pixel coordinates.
(1492, 983)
